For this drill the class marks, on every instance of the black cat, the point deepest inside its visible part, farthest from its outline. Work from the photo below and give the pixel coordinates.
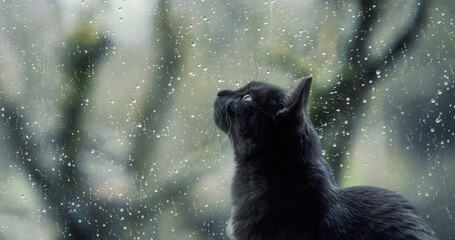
(284, 189)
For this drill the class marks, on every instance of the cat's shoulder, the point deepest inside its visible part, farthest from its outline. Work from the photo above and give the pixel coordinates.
(384, 213)
(371, 193)
(375, 198)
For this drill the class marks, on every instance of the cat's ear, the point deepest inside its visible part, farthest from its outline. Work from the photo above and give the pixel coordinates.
(298, 98)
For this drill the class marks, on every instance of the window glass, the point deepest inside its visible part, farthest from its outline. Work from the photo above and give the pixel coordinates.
(106, 107)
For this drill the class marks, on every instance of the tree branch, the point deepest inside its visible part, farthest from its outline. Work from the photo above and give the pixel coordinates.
(25, 148)
(407, 39)
(159, 97)
(357, 45)
(84, 50)
(348, 95)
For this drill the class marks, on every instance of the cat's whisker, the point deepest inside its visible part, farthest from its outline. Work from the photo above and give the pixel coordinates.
(219, 144)
(219, 140)
(216, 135)
(230, 123)
(256, 77)
(210, 120)
(262, 76)
(224, 139)
(269, 74)
(222, 142)
(205, 144)
(214, 140)
(229, 135)
(258, 72)
(207, 140)
(208, 129)
(229, 126)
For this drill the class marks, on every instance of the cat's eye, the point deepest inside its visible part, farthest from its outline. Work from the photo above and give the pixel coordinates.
(247, 97)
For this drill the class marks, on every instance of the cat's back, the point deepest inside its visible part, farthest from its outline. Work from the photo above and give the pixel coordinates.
(383, 214)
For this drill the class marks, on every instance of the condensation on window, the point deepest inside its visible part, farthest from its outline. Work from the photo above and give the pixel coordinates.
(106, 107)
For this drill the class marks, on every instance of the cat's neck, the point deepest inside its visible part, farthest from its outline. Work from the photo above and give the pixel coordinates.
(292, 159)
(285, 147)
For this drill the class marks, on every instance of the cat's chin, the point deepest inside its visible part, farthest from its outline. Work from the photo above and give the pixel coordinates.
(221, 119)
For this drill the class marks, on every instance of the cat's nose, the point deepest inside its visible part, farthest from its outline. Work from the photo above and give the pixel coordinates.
(224, 93)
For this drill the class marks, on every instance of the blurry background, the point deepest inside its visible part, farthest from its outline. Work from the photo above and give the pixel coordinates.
(106, 107)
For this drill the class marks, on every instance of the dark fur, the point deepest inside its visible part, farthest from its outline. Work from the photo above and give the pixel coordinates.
(284, 189)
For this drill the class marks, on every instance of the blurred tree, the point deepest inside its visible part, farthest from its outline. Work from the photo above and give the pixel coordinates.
(64, 188)
(168, 57)
(78, 215)
(168, 54)
(337, 109)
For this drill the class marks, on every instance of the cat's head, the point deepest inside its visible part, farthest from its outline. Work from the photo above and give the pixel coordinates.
(259, 111)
